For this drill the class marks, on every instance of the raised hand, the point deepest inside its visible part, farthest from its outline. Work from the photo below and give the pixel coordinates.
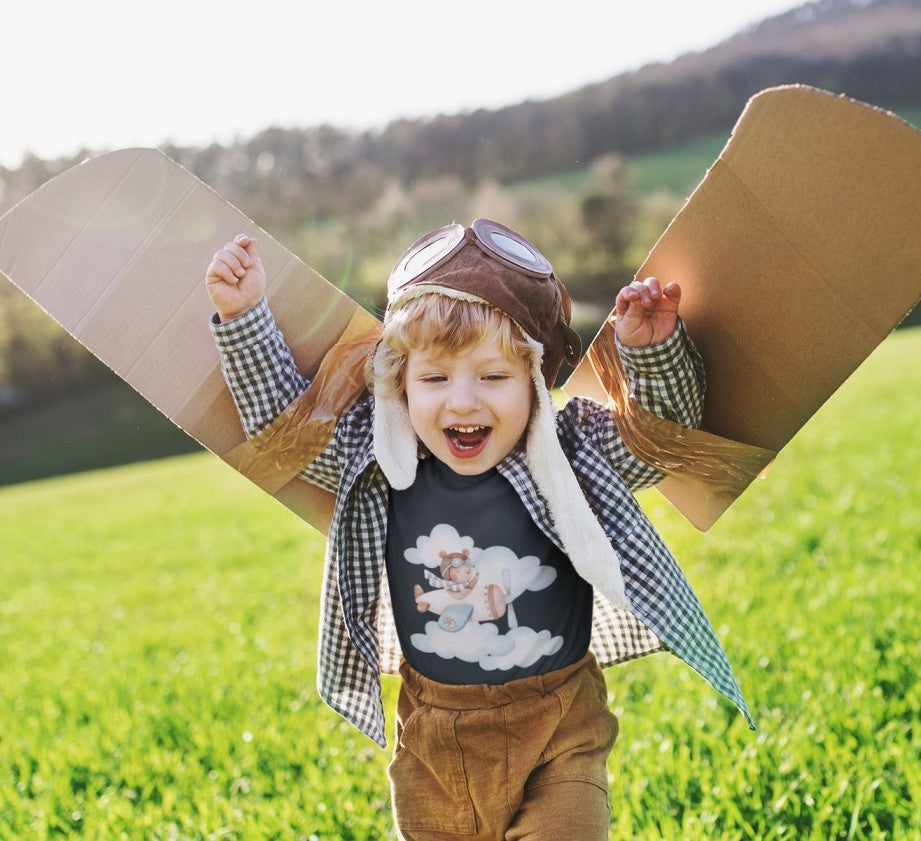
(646, 312)
(235, 278)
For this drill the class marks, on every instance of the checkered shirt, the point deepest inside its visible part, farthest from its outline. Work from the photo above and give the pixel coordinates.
(357, 638)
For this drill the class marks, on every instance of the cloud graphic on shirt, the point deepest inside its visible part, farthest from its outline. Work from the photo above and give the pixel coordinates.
(484, 645)
(444, 538)
(496, 565)
(471, 643)
(528, 647)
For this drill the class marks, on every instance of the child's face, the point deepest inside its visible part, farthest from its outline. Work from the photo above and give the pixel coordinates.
(469, 408)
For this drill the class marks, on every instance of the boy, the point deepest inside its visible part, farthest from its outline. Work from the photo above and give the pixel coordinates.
(517, 560)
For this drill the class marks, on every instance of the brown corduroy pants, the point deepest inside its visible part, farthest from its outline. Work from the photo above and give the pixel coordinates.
(521, 760)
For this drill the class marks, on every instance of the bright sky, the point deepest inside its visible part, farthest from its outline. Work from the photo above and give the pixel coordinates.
(106, 74)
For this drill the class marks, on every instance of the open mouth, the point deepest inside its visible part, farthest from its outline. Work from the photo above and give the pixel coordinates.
(467, 441)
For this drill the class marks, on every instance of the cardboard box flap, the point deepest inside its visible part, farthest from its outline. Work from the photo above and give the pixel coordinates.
(116, 249)
(797, 255)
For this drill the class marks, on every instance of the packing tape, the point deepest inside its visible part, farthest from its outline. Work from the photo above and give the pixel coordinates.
(301, 432)
(726, 467)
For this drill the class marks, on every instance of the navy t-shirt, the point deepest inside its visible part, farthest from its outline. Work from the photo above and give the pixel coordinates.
(479, 594)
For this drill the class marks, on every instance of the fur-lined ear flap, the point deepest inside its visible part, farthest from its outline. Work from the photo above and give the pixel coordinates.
(395, 446)
(583, 538)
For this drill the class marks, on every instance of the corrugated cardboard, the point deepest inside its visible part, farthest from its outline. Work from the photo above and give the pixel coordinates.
(798, 254)
(116, 249)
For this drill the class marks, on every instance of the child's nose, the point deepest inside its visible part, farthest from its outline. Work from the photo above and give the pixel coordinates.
(462, 397)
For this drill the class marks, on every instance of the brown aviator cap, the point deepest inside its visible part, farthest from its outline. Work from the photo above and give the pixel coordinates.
(492, 263)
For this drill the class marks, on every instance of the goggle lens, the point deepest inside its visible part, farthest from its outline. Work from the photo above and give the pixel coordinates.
(511, 248)
(429, 254)
(438, 246)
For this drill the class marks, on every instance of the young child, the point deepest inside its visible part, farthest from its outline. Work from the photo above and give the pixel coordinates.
(500, 536)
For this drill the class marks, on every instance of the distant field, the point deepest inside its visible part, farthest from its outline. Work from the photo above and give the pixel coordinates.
(679, 169)
(103, 428)
(676, 170)
(158, 627)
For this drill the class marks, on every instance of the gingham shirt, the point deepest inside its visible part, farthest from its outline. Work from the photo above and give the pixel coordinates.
(357, 639)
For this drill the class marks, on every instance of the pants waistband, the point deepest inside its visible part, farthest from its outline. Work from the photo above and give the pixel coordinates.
(485, 695)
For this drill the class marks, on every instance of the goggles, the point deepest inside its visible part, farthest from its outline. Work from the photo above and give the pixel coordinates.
(437, 247)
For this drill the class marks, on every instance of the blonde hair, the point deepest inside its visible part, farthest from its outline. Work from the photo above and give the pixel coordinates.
(438, 321)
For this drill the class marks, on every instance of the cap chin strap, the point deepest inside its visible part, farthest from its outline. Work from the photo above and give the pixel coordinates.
(584, 540)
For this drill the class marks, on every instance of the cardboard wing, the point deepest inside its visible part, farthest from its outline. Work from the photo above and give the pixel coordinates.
(116, 249)
(797, 254)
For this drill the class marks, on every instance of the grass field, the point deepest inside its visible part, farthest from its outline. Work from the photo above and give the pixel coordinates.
(157, 644)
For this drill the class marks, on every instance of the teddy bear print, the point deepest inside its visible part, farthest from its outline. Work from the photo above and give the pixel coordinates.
(471, 588)
(458, 596)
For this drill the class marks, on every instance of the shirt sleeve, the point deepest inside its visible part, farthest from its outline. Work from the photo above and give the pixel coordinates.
(667, 378)
(258, 367)
(264, 379)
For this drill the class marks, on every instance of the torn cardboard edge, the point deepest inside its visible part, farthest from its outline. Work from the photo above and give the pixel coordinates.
(797, 255)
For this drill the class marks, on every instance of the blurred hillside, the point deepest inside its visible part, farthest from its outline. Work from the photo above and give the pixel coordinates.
(868, 49)
(590, 175)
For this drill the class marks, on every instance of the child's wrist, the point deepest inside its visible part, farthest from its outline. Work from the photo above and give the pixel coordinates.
(650, 357)
(231, 315)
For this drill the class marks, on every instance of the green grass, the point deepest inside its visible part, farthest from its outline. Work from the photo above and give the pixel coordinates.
(812, 581)
(158, 627)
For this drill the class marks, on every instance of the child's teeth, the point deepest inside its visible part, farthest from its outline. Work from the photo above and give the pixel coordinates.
(467, 437)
